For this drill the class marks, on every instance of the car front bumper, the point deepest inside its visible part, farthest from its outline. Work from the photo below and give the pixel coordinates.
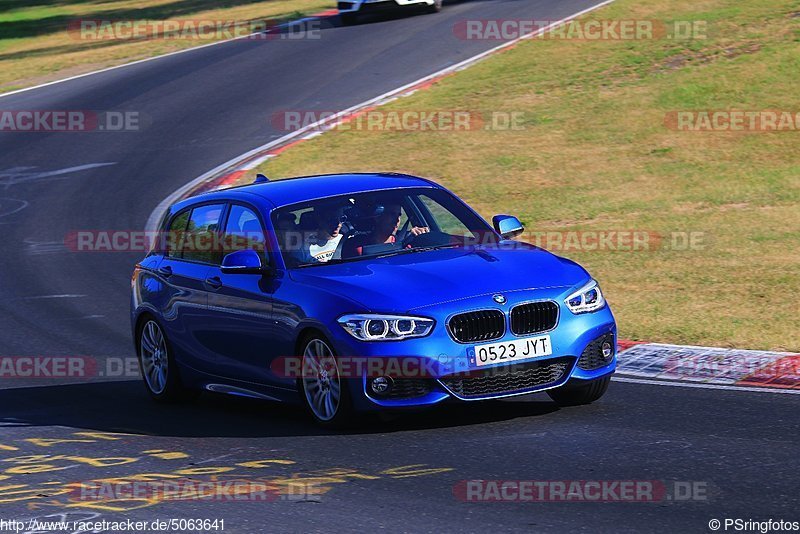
(440, 368)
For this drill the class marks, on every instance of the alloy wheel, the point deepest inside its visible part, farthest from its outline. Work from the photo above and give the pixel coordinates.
(321, 382)
(154, 359)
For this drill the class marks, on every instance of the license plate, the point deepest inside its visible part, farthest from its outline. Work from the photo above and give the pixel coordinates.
(512, 351)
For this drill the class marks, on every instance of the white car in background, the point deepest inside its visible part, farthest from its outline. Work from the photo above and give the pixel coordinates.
(351, 10)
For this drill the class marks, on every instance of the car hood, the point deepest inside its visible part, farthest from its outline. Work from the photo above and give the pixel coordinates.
(404, 282)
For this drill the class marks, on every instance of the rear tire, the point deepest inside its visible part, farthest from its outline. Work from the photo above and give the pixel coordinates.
(157, 365)
(324, 392)
(579, 393)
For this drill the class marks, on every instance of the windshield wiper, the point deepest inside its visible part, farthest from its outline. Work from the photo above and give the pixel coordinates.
(330, 261)
(379, 256)
(417, 249)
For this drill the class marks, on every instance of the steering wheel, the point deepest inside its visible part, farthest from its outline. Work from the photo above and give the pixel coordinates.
(403, 236)
(428, 239)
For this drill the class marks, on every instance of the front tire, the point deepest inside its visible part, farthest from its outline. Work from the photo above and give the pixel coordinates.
(323, 390)
(157, 364)
(579, 393)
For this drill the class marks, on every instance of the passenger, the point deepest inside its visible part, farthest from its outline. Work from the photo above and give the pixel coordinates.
(387, 223)
(321, 245)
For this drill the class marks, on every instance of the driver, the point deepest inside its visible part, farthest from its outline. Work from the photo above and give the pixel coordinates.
(387, 222)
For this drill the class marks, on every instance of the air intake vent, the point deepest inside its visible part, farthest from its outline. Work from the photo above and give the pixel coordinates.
(534, 317)
(482, 325)
(508, 380)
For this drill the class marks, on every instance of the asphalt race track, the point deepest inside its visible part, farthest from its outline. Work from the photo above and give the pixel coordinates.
(718, 438)
(204, 107)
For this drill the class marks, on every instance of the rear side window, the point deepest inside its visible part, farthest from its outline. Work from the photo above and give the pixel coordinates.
(176, 234)
(201, 242)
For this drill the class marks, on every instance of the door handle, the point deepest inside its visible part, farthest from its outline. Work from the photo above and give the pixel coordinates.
(165, 271)
(214, 282)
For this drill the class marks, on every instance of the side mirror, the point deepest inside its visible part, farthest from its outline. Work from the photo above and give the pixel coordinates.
(242, 262)
(507, 226)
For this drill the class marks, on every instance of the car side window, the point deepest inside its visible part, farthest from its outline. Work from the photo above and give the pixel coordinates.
(176, 234)
(202, 235)
(444, 218)
(243, 231)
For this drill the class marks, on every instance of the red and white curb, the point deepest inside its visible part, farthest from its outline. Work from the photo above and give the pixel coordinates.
(708, 367)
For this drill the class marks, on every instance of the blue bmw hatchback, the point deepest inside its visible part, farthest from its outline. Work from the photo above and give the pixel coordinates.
(362, 292)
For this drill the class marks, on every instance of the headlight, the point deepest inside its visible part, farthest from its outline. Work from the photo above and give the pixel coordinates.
(374, 327)
(589, 298)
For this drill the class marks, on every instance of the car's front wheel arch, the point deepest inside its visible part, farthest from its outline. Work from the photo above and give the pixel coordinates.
(303, 335)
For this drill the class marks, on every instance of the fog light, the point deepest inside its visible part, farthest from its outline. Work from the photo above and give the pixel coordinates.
(607, 350)
(381, 385)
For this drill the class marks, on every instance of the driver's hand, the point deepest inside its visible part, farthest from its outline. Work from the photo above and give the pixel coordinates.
(417, 230)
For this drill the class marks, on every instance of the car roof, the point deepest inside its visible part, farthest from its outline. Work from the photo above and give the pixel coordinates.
(303, 188)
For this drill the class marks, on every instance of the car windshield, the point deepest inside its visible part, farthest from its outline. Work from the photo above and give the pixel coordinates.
(375, 224)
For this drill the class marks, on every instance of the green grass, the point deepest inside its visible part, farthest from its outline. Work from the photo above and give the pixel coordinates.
(36, 46)
(595, 155)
